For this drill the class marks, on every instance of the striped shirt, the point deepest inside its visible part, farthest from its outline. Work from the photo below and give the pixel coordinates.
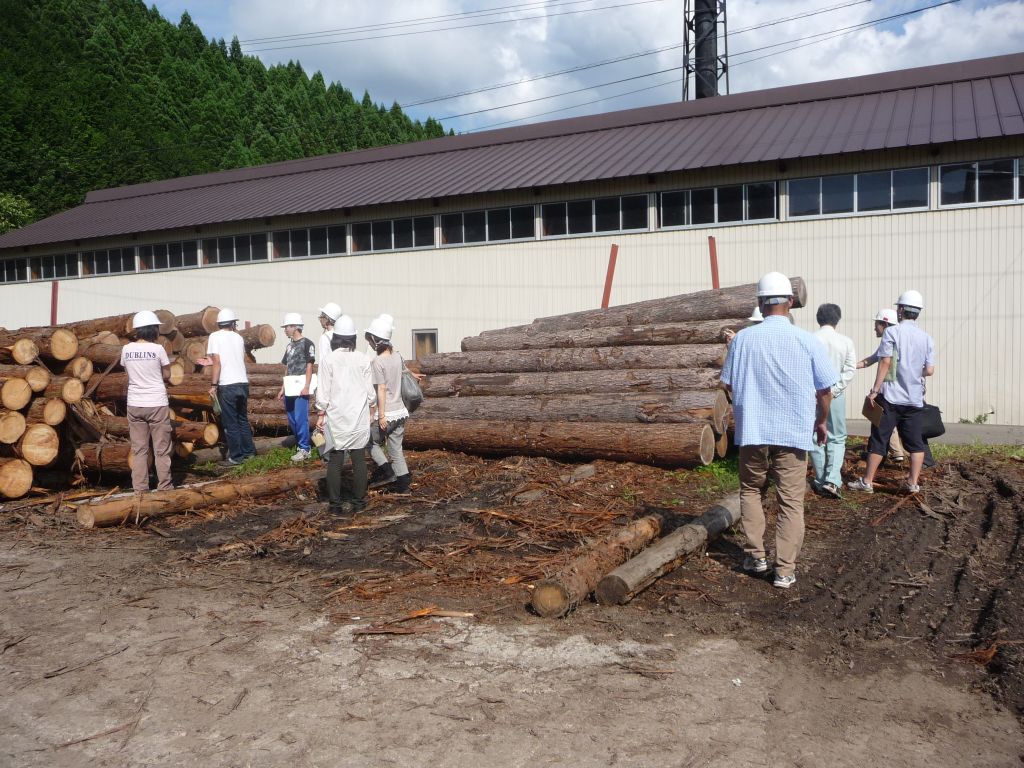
(774, 370)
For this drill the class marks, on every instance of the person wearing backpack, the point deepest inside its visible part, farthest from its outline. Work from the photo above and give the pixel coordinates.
(390, 415)
(906, 357)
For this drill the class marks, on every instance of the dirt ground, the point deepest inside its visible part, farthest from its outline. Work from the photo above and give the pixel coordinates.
(275, 635)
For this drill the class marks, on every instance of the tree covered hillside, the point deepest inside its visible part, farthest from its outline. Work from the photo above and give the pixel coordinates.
(101, 93)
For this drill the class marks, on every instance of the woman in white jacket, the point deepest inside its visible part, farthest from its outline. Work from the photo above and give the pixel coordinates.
(344, 395)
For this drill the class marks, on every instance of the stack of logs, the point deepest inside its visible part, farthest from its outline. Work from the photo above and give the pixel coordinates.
(62, 395)
(637, 382)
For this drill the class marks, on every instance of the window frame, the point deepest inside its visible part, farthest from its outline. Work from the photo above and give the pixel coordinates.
(1018, 188)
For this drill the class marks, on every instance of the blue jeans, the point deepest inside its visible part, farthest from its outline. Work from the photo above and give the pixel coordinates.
(297, 409)
(234, 418)
(827, 459)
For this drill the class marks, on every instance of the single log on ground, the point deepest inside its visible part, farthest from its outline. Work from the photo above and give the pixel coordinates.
(105, 457)
(585, 359)
(36, 376)
(12, 426)
(47, 410)
(15, 394)
(668, 445)
(570, 382)
(528, 337)
(38, 445)
(258, 337)
(201, 323)
(667, 554)
(54, 343)
(114, 386)
(15, 478)
(103, 354)
(203, 432)
(80, 368)
(121, 509)
(17, 351)
(555, 597)
(708, 405)
(721, 304)
(67, 388)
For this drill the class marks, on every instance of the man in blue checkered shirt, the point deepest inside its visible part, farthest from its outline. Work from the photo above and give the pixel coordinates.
(780, 378)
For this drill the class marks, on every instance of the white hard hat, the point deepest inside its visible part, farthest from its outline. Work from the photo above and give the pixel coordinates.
(144, 318)
(910, 299)
(332, 310)
(887, 316)
(756, 316)
(344, 326)
(292, 318)
(226, 316)
(774, 284)
(382, 327)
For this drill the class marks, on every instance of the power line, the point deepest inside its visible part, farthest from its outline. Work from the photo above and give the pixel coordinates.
(463, 26)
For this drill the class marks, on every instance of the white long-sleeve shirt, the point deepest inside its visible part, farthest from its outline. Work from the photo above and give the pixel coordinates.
(841, 353)
(345, 393)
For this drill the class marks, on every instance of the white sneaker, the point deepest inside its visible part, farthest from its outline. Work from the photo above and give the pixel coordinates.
(300, 455)
(860, 485)
(784, 582)
(909, 488)
(755, 564)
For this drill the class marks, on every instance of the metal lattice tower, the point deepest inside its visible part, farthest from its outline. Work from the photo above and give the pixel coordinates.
(704, 22)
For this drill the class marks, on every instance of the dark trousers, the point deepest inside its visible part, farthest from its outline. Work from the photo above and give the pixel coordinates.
(298, 419)
(335, 462)
(234, 418)
(906, 419)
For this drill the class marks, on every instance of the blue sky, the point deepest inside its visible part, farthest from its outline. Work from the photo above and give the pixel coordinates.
(564, 34)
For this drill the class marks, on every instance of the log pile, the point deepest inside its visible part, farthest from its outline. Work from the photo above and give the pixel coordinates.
(638, 382)
(63, 394)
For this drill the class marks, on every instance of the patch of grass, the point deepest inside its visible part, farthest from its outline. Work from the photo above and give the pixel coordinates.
(945, 452)
(630, 495)
(276, 458)
(717, 478)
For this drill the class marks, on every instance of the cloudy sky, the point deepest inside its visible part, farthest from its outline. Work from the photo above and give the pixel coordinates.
(414, 52)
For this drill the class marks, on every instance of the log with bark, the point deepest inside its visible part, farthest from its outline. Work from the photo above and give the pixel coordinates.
(528, 337)
(556, 596)
(121, 325)
(53, 343)
(201, 323)
(15, 393)
(38, 445)
(12, 426)
(258, 337)
(105, 457)
(668, 445)
(585, 359)
(206, 433)
(47, 410)
(17, 351)
(715, 304)
(103, 354)
(570, 382)
(275, 421)
(67, 388)
(15, 477)
(80, 368)
(114, 386)
(708, 405)
(667, 554)
(37, 376)
(128, 507)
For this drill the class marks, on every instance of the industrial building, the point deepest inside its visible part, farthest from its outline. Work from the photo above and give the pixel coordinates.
(864, 186)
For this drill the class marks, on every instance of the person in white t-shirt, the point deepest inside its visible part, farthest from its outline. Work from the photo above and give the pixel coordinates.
(149, 417)
(230, 385)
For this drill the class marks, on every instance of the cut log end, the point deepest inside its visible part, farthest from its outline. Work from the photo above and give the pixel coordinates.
(12, 427)
(177, 374)
(63, 344)
(86, 518)
(15, 478)
(80, 368)
(72, 390)
(550, 600)
(38, 378)
(24, 351)
(611, 590)
(39, 445)
(48, 410)
(15, 394)
(707, 445)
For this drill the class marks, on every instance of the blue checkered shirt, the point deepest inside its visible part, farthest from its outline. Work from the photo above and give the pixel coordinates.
(774, 369)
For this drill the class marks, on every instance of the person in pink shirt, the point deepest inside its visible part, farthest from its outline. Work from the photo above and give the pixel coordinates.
(149, 417)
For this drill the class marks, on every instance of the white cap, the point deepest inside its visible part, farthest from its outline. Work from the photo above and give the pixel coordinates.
(332, 310)
(144, 318)
(344, 326)
(292, 318)
(382, 327)
(756, 316)
(911, 299)
(774, 285)
(226, 316)
(887, 316)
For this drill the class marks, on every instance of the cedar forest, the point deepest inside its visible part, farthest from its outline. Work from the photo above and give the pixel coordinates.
(103, 93)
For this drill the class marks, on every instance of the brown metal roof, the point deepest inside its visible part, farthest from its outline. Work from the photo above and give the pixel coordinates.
(963, 101)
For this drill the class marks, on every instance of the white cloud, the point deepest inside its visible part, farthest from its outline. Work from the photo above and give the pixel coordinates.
(414, 67)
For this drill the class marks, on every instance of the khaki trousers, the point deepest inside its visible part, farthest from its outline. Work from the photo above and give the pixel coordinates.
(143, 424)
(788, 468)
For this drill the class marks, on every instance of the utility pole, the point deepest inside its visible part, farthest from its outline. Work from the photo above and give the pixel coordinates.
(701, 61)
